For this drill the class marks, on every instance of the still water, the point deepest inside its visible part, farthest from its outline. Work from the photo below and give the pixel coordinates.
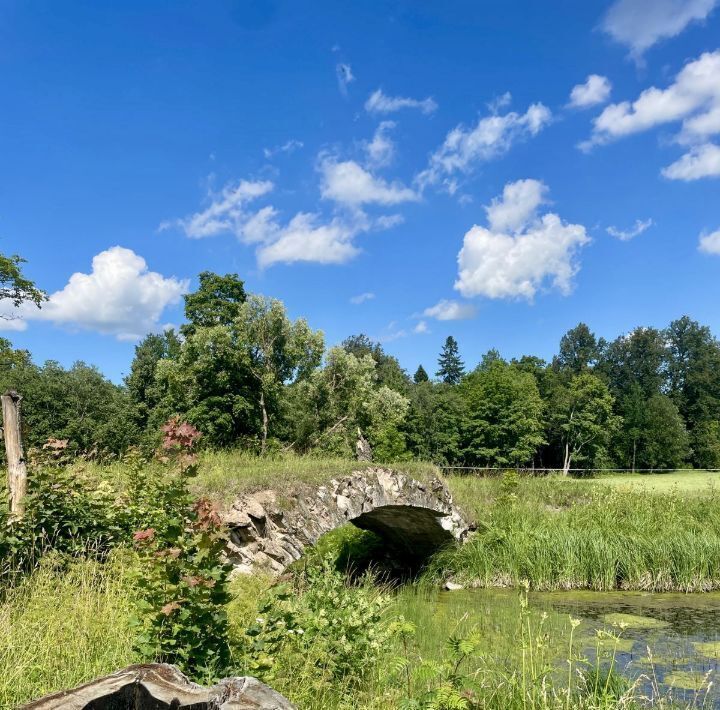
(669, 643)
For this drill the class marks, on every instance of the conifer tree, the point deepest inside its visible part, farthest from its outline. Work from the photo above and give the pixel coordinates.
(451, 367)
(420, 375)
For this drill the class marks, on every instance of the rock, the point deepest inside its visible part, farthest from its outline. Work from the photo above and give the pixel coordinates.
(413, 518)
(158, 686)
(363, 450)
(453, 586)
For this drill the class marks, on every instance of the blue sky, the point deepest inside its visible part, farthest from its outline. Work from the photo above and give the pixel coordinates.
(494, 171)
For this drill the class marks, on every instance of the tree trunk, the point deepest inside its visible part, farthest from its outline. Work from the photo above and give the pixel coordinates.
(264, 425)
(17, 470)
(566, 462)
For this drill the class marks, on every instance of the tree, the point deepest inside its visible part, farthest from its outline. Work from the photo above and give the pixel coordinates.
(504, 416)
(141, 382)
(578, 350)
(328, 408)
(583, 416)
(420, 375)
(14, 287)
(388, 370)
(637, 359)
(277, 351)
(434, 423)
(216, 302)
(451, 367)
(664, 442)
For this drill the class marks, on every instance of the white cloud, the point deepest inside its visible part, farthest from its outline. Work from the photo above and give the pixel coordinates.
(710, 243)
(344, 77)
(421, 328)
(362, 297)
(517, 263)
(492, 136)
(639, 24)
(381, 149)
(306, 238)
(624, 235)
(451, 310)
(119, 297)
(699, 162)
(693, 98)
(595, 90)
(288, 147)
(350, 184)
(517, 205)
(226, 211)
(378, 102)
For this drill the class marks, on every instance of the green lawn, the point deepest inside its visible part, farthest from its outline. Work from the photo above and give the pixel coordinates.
(681, 481)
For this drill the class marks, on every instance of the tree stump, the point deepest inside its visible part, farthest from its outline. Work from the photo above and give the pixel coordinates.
(17, 468)
(363, 450)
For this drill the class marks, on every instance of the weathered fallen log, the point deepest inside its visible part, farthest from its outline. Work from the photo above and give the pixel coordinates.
(158, 686)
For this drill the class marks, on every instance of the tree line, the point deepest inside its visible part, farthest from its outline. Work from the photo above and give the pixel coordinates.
(246, 375)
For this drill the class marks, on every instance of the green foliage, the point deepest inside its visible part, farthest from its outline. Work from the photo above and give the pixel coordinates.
(78, 404)
(183, 584)
(504, 423)
(450, 367)
(434, 423)
(216, 302)
(578, 350)
(339, 628)
(420, 375)
(387, 368)
(14, 287)
(584, 420)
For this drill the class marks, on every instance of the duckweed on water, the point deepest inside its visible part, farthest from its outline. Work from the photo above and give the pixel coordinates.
(711, 649)
(634, 621)
(688, 680)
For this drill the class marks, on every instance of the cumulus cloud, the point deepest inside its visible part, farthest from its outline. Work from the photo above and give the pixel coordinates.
(624, 235)
(451, 310)
(288, 147)
(639, 24)
(345, 77)
(525, 255)
(491, 137)
(710, 243)
(517, 205)
(421, 328)
(348, 183)
(692, 100)
(699, 162)
(307, 238)
(596, 90)
(378, 102)
(362, 297)
(120, 297)
(381, 149)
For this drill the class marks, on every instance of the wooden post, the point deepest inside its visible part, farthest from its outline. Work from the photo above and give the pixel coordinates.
(17, 470)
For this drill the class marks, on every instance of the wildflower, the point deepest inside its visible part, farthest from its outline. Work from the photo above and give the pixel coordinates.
(169, 608)
(142, 535)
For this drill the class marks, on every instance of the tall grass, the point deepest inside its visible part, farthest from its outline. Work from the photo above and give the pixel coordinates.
(62, 626)
(557, 534)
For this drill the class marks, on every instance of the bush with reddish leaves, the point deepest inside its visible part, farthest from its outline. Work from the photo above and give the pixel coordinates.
(184, 581)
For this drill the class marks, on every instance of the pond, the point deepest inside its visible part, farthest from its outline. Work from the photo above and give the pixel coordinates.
(669, 644)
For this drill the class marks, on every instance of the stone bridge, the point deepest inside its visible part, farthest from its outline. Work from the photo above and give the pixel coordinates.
(413, 518)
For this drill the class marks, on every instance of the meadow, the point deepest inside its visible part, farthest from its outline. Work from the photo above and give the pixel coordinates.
(328, 643)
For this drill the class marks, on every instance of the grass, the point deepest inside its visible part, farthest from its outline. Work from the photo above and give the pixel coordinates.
(556, 533)
(682, 482)
(225, 475)
(63, 626)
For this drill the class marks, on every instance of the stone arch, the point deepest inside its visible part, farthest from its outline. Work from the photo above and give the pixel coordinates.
(414, 519)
